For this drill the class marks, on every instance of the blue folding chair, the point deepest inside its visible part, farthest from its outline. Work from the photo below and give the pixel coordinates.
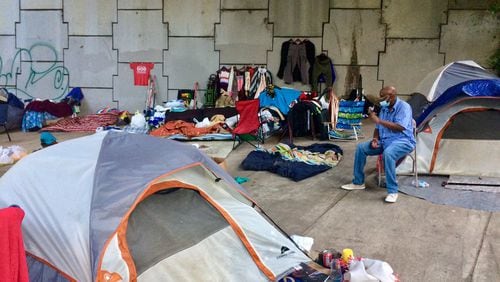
(348, 124)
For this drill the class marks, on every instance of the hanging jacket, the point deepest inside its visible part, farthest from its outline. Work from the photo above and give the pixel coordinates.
(323, 66)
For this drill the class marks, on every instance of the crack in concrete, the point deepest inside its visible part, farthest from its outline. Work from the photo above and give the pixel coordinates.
(306, 231)
(470, 277)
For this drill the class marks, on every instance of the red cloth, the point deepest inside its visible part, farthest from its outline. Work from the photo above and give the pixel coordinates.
(86, 123)
(13, 267)
(141, 72)
(60, 109)
(185, 128)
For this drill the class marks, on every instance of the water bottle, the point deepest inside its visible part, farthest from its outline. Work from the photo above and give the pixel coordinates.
(421, 184)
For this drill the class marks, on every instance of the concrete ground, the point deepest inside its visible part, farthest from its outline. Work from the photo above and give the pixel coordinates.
(420, 240)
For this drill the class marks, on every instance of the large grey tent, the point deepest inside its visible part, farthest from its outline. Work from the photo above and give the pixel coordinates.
(458, 120)
(114, 206)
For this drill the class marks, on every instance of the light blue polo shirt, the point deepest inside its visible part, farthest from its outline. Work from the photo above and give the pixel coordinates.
(401, 114)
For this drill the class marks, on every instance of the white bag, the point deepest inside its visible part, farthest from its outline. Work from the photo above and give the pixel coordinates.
(370, 270)
(202, 124)
(138, 120)
(5, 158)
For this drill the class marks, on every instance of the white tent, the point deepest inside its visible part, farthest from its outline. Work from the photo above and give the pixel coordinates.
(114, 206)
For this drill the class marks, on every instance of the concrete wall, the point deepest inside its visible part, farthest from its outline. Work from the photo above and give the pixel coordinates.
(48, 47)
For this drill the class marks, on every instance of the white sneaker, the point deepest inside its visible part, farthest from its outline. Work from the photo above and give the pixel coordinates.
(391, 198)
(352, 186)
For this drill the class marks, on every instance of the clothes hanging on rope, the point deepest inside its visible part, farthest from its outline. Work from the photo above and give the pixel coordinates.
(242, 83)
(259, 82)
(297, 58)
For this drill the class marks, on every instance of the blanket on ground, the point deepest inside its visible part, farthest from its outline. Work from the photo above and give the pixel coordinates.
(87, 123)
(294, 162)
(185, 128)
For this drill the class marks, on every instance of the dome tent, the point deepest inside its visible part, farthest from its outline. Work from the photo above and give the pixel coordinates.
(458, 128)
(135, 207)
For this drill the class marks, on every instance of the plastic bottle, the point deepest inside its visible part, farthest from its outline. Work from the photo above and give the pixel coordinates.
(421, 184)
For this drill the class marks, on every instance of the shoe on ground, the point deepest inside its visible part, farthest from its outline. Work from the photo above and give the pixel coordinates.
(391, 198)
(352, 186)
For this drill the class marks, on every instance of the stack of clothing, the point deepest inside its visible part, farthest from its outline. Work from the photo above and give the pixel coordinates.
(38, 112)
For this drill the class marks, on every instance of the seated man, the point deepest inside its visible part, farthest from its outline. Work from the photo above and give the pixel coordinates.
(392, 137)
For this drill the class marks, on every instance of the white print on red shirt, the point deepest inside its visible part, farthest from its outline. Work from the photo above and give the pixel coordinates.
(141, 72)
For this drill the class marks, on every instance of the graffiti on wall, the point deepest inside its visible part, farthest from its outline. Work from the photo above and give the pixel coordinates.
(26, 83)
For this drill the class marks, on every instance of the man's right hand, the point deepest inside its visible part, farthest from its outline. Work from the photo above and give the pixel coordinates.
(374, 143)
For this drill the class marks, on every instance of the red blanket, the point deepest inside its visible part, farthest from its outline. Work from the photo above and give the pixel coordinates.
(13, 267)
(188, 129)
(84, 123)
(60, 109)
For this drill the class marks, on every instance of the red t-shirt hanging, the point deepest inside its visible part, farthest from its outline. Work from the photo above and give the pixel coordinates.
(141, 72)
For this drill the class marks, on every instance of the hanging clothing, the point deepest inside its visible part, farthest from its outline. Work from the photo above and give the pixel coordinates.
(247, 83)
(260, 80)
(222, 79)
(322, 68)
(141, 72)
(297, 59)
(232, 86)
(262, 86)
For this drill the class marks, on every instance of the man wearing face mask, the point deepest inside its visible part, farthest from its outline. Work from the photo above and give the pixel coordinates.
(393, 138)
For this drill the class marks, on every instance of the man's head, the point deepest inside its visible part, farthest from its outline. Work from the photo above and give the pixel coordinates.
(388, 94)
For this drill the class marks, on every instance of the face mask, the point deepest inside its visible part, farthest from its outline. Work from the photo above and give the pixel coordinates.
(384, 104)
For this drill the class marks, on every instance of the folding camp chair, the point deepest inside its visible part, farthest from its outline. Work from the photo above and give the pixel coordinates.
(249, 125)
(412, 155)
(4, 107)
(347, 124)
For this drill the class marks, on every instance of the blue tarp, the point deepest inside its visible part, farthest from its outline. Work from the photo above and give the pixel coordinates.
(471, 88)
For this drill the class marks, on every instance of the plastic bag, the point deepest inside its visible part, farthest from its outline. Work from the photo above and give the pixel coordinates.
(11, 154)
(138, 120)
(232, 121)
(370, 270)
(202, 124)
(17, 152)
(5, 158)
